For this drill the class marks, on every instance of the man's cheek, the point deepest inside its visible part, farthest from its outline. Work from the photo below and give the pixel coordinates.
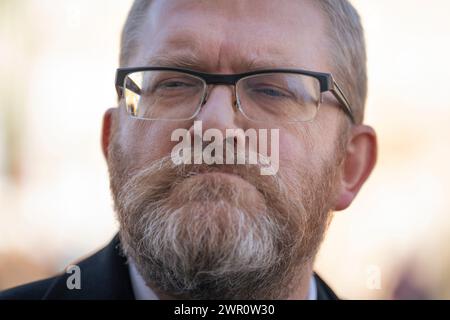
(292, 151)
(144, 142)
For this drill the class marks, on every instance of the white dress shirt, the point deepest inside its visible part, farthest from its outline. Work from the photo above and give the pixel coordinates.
(143, 292)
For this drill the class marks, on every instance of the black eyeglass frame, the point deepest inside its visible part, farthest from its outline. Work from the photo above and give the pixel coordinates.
(326, 80)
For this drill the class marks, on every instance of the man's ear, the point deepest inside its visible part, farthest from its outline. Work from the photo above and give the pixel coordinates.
(106, 130)
(360, 159)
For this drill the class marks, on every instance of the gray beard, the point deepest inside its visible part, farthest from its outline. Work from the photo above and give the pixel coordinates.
(214, 237)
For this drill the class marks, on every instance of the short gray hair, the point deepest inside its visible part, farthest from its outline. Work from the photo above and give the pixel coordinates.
(347, 44)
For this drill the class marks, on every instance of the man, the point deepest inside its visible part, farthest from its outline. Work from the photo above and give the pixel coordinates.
(219, 229)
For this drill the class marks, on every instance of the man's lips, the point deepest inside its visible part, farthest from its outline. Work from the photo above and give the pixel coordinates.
(225, 177)
(225, 171)
(219, 173)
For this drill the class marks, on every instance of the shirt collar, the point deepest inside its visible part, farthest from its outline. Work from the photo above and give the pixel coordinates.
(140, 289)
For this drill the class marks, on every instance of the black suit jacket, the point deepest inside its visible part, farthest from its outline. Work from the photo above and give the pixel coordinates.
(104, 276)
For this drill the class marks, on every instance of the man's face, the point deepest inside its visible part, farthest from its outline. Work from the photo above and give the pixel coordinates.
(192, 234)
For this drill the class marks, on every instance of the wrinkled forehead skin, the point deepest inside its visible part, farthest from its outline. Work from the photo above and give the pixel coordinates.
(228, 36)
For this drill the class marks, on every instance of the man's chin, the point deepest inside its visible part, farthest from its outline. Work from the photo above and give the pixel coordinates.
(217, 234)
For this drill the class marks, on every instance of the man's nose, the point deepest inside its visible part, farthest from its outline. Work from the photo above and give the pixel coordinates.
(219, 110)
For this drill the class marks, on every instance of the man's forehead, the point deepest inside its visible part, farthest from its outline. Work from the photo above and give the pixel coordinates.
(187, 51)
(198, 36)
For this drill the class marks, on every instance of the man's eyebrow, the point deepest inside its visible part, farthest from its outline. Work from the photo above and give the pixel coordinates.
(189, 61)
(194, 62)
(272, 63)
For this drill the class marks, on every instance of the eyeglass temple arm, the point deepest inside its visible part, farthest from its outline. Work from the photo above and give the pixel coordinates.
(337, 92)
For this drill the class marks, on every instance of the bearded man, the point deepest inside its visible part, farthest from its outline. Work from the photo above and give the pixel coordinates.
(221, 230)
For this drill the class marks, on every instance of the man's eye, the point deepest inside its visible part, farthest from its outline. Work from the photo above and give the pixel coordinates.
(174, 85)
(271, 92)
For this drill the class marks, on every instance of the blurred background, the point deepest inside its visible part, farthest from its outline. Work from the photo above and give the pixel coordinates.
(57, 62)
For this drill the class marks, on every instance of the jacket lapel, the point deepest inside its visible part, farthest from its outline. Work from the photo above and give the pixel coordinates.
(104, 276)
(323, 290)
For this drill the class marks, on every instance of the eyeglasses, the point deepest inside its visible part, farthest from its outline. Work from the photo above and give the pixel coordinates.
(273, 95)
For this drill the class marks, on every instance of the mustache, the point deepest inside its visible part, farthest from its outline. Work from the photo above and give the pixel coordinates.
(164, 171)
(156, 180)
